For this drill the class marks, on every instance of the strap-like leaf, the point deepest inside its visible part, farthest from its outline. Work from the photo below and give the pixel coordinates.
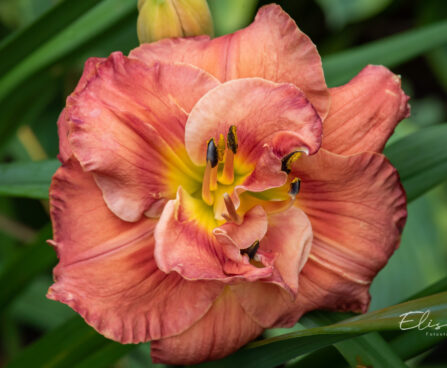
(63, 347)
(421, 159)
(20, 44)
(391, 51)
(274, 351)
(27, 179)
(101, 17)
(19, 271)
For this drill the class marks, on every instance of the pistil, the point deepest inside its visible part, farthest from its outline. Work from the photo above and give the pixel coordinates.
(232, 215)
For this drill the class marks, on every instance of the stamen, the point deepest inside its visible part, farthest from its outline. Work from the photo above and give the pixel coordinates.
(213, 178)
(232, 146)
(206, 193)
(232, 214)
(288, 160)
(221, 148)
(211, 153)
(208, 176)
(232, 139)
(251, 250)
(294, 187)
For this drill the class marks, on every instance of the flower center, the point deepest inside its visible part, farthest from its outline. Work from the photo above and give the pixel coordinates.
(220, 154)
(222, 175)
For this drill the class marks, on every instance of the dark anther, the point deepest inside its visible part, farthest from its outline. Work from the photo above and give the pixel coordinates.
(232, 139)
(251, 250)
(287, 160)
(211, 153)
(295, 187)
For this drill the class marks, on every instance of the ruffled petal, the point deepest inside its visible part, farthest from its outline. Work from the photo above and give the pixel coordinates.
(357, 208)
(222, 331)
(264, 113)
(62, 130)
(127, 127)
(272, 47)
(271, 302)
(107, 272)
(267, 174)
(63, 124)
(364, 112)
(235, 237)
(185, 243)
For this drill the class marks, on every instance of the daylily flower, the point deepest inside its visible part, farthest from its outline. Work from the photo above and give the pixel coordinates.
(210, 189)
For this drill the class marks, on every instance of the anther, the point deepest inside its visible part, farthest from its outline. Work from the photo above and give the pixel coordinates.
(294, 187)
(232, 139)
(232, 214)
(232, 146)
(211, 153)
(221, 148)
(288, 160)
(251, 250)
(210, 176)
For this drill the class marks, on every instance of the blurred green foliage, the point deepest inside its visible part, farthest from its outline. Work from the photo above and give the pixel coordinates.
(36, 78)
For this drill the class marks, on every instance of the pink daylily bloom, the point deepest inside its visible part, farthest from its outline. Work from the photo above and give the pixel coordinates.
(210, 189)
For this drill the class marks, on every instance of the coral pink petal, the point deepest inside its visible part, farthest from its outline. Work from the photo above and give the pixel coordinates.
(365, 112)
(62, 131)
(266, 175)
(63, 123)
(261, 111)
(107, 272)
(289, 238)
(272, 48)
(222, 331)
(185, 245)
(357, 208)
(234, 237)
(127, 127)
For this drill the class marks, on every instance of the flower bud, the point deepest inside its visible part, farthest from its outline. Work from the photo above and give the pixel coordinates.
(173, 18)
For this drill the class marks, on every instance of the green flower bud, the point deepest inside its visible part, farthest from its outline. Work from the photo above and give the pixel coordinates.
(173, 18)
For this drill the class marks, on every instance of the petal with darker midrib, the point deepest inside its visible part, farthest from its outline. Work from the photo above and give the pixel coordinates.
(263, 112)
(272, 47)
(126, 126)
(107, 272)
(364, 112)
(357, 208)
(223, 330)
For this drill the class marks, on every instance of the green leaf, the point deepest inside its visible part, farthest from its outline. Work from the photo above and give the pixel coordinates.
(366, 350)
(19, 271)
(63, 347)
(340, 12)
(25, 102)
(409, 270)
(98, 19)
(32, 308)
(391, 51)
(412, 343)
(107, 355)
(421, 159)
(274, 351)
(27, 179)
(369, 350)
(19, 45)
